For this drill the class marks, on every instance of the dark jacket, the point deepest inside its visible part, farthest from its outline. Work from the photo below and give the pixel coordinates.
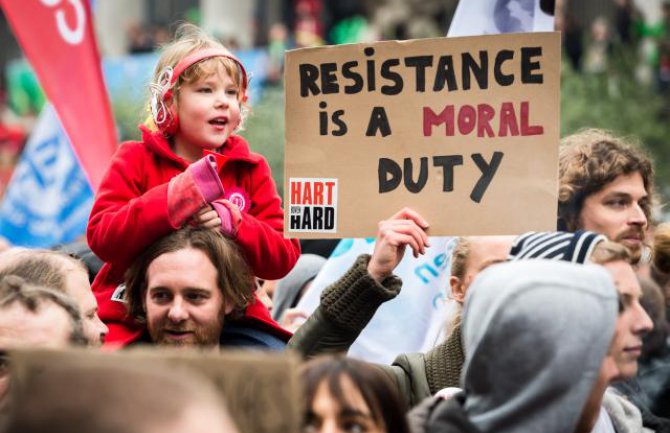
(346, 308)
(240, 335)
(436, 415)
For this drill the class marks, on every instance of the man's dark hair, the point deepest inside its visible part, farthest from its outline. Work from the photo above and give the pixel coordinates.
(234, 277)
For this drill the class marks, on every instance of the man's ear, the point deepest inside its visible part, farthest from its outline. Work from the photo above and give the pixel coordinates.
(227, 308)
(457, 289)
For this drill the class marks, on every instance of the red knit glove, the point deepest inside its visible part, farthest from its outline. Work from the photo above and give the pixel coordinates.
(230, 216)
(189, 191)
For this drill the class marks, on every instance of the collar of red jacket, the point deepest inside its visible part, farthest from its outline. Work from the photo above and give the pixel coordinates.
(235, 148)
(260, 316)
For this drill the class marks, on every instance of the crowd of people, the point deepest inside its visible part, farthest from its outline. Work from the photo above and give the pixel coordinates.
(560, 331)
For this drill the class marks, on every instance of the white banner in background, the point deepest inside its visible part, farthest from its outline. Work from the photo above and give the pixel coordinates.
(490, 17)
(414, 321)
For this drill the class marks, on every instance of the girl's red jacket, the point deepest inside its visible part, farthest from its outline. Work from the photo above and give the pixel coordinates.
(131, 212)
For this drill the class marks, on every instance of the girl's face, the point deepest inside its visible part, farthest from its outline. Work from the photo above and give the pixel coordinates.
(327, 415)
(209, 111)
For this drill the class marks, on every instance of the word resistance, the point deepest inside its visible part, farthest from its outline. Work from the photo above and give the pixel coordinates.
(437, 72)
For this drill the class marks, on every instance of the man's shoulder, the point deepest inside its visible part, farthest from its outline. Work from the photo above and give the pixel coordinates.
(244, 335)
(240, 335)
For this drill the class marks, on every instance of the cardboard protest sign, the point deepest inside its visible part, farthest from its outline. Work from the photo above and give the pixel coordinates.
(463, 130)
(260, 389)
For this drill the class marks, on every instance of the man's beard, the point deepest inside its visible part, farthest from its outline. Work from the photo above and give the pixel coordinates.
(635, 251)
(196, 335)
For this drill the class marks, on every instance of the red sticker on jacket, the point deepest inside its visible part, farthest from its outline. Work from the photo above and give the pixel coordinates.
(239, 198)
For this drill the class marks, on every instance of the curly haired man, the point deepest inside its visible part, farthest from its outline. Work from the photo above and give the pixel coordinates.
(606, 186)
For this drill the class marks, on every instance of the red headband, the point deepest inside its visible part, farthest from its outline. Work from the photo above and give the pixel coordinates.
(204, 54)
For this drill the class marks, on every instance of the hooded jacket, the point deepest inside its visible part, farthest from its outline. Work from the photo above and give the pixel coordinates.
(131, 212)
(535, 334)
(288, 290)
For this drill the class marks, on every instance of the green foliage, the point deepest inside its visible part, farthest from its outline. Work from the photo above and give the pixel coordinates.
(128, 113)
(264, 130)
(617, 102)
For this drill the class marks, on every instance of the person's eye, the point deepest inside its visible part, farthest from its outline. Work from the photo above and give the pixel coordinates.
(617, 203)
(160, 297)
(311, 425)
(354, 427)
(4, 365)
(233, 92)
(204, 89)
(195, 297)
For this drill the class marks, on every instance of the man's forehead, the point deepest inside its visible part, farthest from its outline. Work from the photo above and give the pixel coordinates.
(630, 184)
(183, 267)
(182, 259)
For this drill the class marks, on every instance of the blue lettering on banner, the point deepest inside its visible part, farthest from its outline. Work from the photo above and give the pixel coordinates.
(438, 300)
(345, 245)
(48, 198)
(428, 271)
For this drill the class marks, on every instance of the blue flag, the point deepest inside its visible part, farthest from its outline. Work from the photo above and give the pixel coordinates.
(48, 199)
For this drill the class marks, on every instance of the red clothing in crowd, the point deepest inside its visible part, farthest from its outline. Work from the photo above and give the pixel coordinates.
(131, 212)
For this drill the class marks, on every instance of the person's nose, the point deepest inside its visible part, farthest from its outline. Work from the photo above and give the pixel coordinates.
(329, 426)
(643, 323)
(637, 216)
(222, 99)
(177, 312)
(101, 327)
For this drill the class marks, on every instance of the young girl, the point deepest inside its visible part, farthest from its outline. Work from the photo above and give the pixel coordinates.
(189, 168)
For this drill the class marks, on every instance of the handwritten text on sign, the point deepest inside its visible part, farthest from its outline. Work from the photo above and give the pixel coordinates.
(464, 130)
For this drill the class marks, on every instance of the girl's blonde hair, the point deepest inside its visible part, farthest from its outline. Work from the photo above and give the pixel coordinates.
(188, 39)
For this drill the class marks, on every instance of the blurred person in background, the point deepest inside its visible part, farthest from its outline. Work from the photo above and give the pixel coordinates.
(291, 288)
(118, 399)
(654, 365)
(33, 317)
(277, 46)
(58, 271)
(660, 266)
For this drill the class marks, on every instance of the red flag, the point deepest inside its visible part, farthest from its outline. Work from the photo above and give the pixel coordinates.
(58, 39)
